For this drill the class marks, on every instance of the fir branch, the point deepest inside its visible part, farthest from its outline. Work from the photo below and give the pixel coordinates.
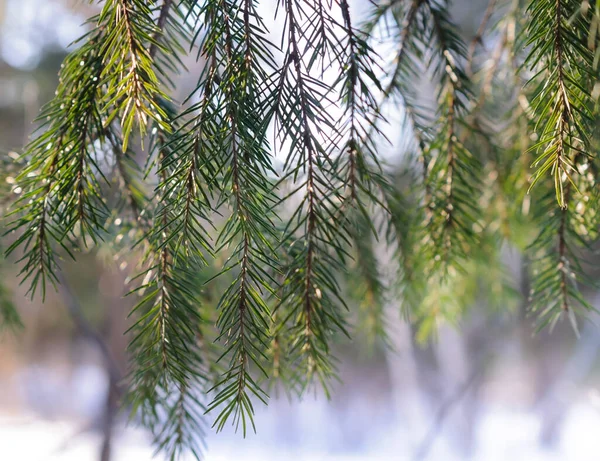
(10, 320)
(558, 270)
(411, 41)
(561, 103)
(63, 192)
(452, 232)
(130, 82)
(182, 432)
(165, 341)
(243, 158)
(311, 289)
(402, 235)
(62, 197)
(562, 108)
(359, 168)
(361, 115)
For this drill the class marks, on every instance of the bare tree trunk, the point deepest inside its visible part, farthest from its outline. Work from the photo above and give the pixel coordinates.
(112, 286)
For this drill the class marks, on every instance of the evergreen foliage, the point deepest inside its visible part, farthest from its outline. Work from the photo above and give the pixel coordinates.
(294, 253)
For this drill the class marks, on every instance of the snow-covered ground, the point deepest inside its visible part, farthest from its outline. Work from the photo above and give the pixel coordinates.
(317, 430)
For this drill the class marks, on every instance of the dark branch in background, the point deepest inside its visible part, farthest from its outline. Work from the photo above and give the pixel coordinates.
(478, 369)
(478, 38)
(160, 25)
(87, 330)
(425, 446)
(405, 35)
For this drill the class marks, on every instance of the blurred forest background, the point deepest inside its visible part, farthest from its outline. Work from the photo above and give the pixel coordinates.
(487, 389)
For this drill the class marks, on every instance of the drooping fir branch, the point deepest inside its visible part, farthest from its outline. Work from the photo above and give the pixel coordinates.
(498, 120)
(39, 262)
(477, 40)
(359, 169)
(451, 227)
(129, 78)
(417, 118)
(403, 23)
(169, 368)
(402, 238)
(243, 160)
(561, 86)
(191, 145)
(559, 272)
(562, 108)
(63, 181)
(359, 165)
(182, 432)
(310, 301)
(168, 365)
(407, 26)
(446, 210)
(497, 131)
(62, 199)
(10, 320)
(427, 40)
(220, 144)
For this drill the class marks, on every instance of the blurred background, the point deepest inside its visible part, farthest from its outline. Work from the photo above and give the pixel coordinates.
(487, 389)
